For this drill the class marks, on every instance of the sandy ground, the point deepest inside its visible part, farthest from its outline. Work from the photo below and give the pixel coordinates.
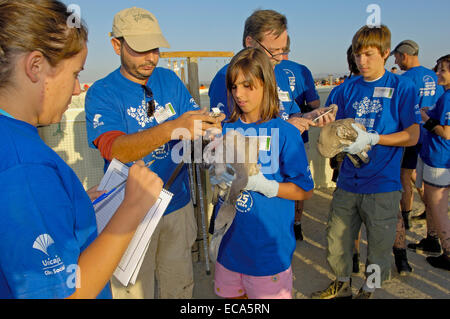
(312, 273)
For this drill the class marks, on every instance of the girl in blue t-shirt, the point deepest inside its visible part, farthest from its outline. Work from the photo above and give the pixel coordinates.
(255, 254)
(434, 168)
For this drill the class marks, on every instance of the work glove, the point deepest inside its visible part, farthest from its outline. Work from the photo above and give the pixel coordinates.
(259, 183)
(364, 138)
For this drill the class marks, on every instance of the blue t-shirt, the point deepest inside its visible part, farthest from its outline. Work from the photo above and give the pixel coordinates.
(426, 81)
(435, 150)
(336, 89)
(387, 106)
(302, 85)
(261, 240)
(47, 219)
(118, 104)
(428, 89)
(219, 97)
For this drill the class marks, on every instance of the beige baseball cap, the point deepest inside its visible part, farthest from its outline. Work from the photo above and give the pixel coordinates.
(139, 28)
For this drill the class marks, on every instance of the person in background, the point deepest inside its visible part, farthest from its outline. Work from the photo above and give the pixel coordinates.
(384, 103)
(394, 70)
(304, 90)
(434, 170)
(141, 111)
(48, 229)
(406, 55)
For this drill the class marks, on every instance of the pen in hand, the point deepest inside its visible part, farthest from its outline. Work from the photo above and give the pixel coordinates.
(105, 195)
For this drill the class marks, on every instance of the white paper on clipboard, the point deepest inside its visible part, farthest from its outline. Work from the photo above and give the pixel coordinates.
(131, 261)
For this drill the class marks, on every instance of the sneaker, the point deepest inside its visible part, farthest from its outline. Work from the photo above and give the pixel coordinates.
(405, 216)
(356, 263)
(298, 232)
(401, 261)
(421, 217)
(362, 294)
(336, 290)
(442, 262)
(429, 246)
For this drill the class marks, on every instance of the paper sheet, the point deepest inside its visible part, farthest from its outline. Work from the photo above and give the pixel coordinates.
(131, 261)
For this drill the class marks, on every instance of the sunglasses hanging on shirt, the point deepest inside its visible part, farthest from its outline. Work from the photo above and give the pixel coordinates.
(151, 102)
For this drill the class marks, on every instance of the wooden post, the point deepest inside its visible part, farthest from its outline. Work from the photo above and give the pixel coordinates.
(193, 79)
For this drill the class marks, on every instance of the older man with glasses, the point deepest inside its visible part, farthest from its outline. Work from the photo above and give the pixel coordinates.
(267, 29)
(135, 113)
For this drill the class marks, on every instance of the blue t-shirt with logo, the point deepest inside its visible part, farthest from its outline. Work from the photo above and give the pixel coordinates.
(387, 105)
(302, 85)
(47, 219)
(118, 104)
(426, 81)
(428, 89)
(435, 150)
(219, 97)
(261, 240)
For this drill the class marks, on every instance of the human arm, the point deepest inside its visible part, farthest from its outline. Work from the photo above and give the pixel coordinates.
(99, 260)
(190, 125)
(405, 138)
(271, 188)
(440, 130)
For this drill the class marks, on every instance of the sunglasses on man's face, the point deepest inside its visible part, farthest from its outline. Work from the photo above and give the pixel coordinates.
(151, 105)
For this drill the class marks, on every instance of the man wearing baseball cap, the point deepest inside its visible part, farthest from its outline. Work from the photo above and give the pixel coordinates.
(135, 113)
(406, 55)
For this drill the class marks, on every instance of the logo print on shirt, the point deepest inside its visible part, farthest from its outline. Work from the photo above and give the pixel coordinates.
(244, 203)
(140, 114)
(43, 242)
(52, 264)
(161, 152)
(97, 122)
(430, 86)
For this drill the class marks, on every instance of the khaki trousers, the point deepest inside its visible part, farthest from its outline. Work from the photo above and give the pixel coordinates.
(168, 260)
(348, 211)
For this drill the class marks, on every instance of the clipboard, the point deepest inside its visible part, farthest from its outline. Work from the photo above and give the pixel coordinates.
(131, 262)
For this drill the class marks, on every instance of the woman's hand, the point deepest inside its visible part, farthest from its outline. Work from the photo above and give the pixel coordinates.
(94, 193)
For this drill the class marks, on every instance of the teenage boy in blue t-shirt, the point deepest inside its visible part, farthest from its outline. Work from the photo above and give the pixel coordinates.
(138, 112)
(387, 105)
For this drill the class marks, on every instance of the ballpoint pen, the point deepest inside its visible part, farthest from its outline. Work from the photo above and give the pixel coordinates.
(105, 195)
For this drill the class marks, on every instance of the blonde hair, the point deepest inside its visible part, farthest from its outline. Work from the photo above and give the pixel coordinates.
(39, 25)
(377, 37)
(255, 66)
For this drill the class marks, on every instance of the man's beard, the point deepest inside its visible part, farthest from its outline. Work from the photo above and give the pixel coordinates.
(133, 69)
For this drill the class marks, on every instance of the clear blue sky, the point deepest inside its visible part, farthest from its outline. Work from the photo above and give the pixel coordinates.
(320, 30)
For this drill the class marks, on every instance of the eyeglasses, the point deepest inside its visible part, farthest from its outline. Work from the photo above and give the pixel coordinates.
(273, 56)
(151, 105)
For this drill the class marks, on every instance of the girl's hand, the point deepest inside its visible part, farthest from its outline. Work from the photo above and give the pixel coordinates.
(94, 193)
